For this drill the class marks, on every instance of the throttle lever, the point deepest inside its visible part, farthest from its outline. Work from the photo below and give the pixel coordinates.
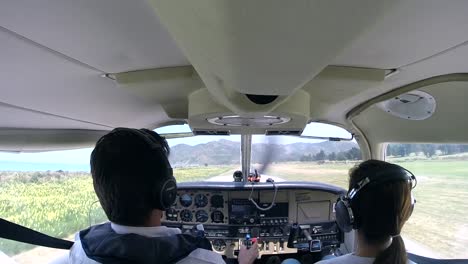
(307, 234)
(294, 232)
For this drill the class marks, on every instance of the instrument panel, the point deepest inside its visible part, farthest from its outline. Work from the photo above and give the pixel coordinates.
(199, 207)
(229, 215)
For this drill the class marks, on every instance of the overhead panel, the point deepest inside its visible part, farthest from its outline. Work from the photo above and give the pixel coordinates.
(263, 47)
(205, 114)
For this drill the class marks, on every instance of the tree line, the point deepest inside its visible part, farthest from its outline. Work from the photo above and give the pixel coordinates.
(429, 150)
(352, 154)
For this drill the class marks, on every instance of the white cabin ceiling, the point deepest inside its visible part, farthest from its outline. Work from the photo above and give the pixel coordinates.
(408, 32)
(52, 56)
(109, 35)
(35, 78)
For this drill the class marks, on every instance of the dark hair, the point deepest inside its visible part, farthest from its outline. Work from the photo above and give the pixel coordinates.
(381, 210)
(125, 170)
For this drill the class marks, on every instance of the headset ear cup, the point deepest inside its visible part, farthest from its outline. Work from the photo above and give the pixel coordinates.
(168, 194)
(344, 215)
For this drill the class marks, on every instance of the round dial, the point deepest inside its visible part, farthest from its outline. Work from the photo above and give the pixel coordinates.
(171, 214)
(217, 216)
(185, 200)
(201, 200)
(219, 245)
(201, 216)
(217, 201)
(186, 215)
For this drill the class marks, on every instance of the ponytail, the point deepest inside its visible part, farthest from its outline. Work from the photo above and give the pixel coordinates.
(394, 254)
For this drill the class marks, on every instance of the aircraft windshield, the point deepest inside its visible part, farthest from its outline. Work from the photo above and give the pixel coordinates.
(282, 158)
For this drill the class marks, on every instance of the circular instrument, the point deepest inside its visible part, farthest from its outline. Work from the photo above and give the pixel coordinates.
(217, 216)
(186, 215)
(201, 200)
(185, 200)
(219, 245)
(171, 214)
(201, 216)
(217, 201)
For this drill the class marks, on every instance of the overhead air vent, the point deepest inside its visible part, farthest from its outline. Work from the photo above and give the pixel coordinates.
(283, 132)
(237, 121)
(211, 133)
(414, 105)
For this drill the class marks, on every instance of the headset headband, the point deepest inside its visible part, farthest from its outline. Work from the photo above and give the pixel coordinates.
(393, 174)
(345, 217)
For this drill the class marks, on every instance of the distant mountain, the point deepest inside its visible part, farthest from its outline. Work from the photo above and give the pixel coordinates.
(228, 152)
(212, 153)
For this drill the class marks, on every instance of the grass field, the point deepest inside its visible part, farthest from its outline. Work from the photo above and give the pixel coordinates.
(331, 173)
(59, 205)
(440, 219)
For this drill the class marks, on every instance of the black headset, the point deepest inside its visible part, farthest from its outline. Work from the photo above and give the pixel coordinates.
(166, 186)
(345, 217)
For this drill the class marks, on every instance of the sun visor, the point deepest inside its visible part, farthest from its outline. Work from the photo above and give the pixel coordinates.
(39, 140)
(168, 87)
(292, 114)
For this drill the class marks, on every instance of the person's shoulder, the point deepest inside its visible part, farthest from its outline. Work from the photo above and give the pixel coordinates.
(348, 258)
(77, 254)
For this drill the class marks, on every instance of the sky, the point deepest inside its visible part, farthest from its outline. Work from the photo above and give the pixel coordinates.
(81, 156)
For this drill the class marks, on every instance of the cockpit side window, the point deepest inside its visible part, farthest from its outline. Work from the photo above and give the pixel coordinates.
(438, 227)
(51, 192)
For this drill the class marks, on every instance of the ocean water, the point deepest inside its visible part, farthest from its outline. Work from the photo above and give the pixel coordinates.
(31, 166)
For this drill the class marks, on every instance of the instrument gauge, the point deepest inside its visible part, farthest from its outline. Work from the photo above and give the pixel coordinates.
(186, 215)
(219, 245)
(201, 216)
(201, 200)
(185, 200)
(171, 214)
(217, 216)
(217, 201)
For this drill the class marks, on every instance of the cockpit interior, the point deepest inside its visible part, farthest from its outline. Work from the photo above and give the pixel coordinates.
(266, 106)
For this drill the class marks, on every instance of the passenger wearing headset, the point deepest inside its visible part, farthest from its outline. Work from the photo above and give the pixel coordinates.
(133, 180)
(377, 205)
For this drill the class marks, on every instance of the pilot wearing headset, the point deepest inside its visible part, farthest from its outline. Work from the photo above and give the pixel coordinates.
(133, 180)
(377, 205)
